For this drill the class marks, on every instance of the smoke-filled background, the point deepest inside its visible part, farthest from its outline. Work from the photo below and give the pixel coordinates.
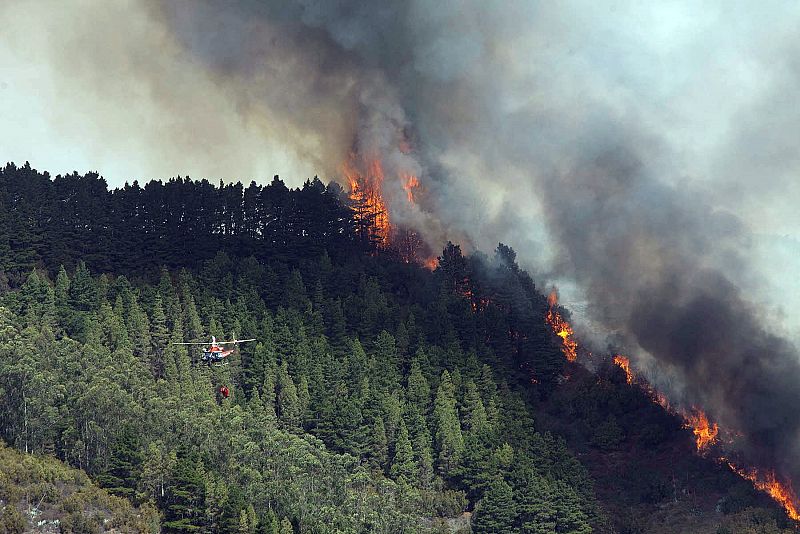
(643, 156)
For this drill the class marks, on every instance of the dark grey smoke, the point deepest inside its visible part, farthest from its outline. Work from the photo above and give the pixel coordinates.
(516, 122)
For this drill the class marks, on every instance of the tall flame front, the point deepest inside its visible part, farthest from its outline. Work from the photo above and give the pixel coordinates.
(767, 482)
(366, 179)
(561, 328)
(367, 196)
(706, 435)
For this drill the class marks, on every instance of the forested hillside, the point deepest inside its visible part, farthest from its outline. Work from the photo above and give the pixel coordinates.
(379, 396)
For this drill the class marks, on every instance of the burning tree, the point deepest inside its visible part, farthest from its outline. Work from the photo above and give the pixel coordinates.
(370, 213)
(365, 177)
(561, 328)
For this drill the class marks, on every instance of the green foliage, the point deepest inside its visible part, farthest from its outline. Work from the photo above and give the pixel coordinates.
(379, 445)
(404, 467)
(53, 490)
(288, 402)
(375, 400)
(419, 391)
(608, 434)
(752, 521)
(497, 511)
(449, 441)
(11, 520)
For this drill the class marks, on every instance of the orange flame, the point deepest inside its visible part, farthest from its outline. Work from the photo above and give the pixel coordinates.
(365, 191)
(562, 329)
(625, 364)
(767, 482)
(365, 177)
(705, 433)
(552, 298)
(410, 184)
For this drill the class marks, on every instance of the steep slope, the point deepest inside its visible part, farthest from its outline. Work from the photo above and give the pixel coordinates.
(644, 462)
(41, 494)
(379, 396)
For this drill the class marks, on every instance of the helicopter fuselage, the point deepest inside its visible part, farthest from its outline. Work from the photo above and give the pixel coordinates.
(215, 354)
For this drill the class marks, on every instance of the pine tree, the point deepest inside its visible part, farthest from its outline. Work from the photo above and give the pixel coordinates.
(294, 296)
(257, 364)
(288, 403)
(472, 399)
(479, 424)
(61, 293)
(548, 506)
(492, 416)
(139, 331)
(170, 359)
(486, 385)
(159, 337)
(421, 442)
(303, 398)
(48, 307)
(497, 512)
(102, 289)
(29, 295)
(82, 300)
(419, 391)
(336, 328)
(270, 523)
(449, 441)
(215, 328)
(193, 326)
(184, 510)
(113, 323)
(268, 397)
(82, 290)
(379, 446)
(170, 302)
(121, 475)
(385, 377)
(157, 465)
(404, 468)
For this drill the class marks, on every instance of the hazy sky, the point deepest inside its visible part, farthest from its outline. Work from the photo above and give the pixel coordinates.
(96, 85)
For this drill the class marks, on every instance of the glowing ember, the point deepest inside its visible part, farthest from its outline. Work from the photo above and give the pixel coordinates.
(562, 329)
(705, 433)
(625, 364)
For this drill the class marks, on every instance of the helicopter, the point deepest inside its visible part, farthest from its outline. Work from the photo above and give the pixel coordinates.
(214, 353)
